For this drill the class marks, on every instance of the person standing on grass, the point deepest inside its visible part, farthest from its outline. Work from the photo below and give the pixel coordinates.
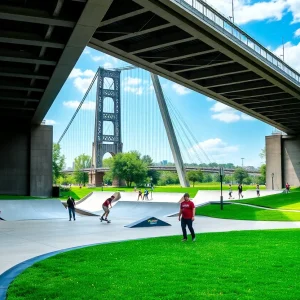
(106, 204)
(257, 190)
(230, 192)
(187, 216)
(287, 187)
(71, 208)
(240, 189)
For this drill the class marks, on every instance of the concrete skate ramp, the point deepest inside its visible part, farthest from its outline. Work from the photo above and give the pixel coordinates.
(156, 197)
(16, 210)
(138, 210)
(94, 202)
(203, 197)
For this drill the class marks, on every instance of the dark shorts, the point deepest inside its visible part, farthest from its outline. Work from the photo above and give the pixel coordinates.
(105, 208)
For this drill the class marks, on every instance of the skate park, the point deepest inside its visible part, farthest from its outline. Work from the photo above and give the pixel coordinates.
(247, 249)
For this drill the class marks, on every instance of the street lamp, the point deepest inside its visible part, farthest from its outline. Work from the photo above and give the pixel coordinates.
(221, 179)
(242, 161)
(151, 186)
(272, 181)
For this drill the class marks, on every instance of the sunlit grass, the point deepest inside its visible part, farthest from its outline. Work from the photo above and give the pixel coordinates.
(240, 212)
(218, 266)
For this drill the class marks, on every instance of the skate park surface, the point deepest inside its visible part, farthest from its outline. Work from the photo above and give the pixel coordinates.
(22, 240)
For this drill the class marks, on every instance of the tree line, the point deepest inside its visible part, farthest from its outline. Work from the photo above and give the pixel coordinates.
(132, 167)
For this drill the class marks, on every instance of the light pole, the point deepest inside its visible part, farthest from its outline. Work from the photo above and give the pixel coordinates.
(232, 12)
(221, 179)
(272, 181)
(242, 161)
(151, 186)
(282, 49)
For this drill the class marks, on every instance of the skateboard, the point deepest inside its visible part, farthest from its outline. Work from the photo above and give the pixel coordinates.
(108, 221)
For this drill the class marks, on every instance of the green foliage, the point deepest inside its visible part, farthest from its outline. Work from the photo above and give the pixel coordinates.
(262, 154)
(129, 167)
(240, 174)
(207, 177)
(58, 162)
(82, 161)
(155, 175)
(147, 160)
(168, 178)
(263, 173)
(194, 176)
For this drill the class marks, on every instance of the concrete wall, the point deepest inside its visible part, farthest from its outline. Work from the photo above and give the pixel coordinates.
(283, 160)
(25, 160)
(41, 161)
(14, 160)
(291, 160)
(274, 161)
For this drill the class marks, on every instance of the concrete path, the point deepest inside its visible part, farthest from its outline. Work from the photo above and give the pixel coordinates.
(156, 197)
(22, 240)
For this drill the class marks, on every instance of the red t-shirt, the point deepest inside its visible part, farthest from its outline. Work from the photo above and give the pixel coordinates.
(187, 209)
(107, 202)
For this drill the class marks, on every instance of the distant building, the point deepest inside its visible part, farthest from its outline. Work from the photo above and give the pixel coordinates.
(164, 162)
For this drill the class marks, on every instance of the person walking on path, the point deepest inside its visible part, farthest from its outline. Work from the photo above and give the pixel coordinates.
(71, 208)
(140, 195)
(146, 193)
(257, 190)
(240, 189)
(106, 204)
(287, 187)
(230, 192)
(187, 216)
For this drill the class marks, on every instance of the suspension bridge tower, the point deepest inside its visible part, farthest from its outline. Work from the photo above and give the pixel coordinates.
(108, 88)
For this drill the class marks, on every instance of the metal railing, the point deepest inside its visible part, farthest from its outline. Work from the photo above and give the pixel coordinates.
(232, 31)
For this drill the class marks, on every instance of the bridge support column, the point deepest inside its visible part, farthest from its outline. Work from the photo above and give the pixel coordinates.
(283, 161)
(170, 131)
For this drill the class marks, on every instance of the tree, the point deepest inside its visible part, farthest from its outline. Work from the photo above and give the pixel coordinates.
(262, 154)
(58, 162)
(207, 177)
(147, 160)
(263, 173)
(167, 177)
(240, 174)
(82, 161)
(129, 167)
(194, 176)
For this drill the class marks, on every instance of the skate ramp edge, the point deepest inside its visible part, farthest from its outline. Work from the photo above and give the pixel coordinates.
(17, 210)
(148, 222)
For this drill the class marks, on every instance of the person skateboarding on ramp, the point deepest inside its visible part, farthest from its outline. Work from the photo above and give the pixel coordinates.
(187, 211)
(106, 204)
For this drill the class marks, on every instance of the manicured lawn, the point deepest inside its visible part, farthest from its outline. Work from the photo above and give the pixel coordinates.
(78, 193)
(10, 197)
(218, 266)
(280, 201)
(239, 212)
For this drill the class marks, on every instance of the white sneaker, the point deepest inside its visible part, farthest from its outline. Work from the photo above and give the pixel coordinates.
(194, 239)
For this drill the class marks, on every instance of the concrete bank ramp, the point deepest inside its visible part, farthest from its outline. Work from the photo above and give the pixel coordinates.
(94, 202)
(156, 197)
(17, 210)
(203, 197)
(139, 209)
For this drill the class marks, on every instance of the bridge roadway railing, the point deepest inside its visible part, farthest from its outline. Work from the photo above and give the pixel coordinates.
(168, 168)
(209, 15)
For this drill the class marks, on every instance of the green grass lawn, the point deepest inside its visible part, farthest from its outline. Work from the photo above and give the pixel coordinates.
(11, 197)
(239, 212)
(244, 265)
(280, 201)
(78, 193)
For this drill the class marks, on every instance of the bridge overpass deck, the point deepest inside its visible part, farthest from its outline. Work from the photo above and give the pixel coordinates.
(199, 48)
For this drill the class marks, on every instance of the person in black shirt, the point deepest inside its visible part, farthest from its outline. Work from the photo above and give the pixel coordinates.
(240, 189)
(71, 208)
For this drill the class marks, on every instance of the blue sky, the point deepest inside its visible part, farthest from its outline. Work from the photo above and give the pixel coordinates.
(225, 134)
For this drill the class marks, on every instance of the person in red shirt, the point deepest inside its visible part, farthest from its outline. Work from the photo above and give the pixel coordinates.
(106, 204)
(187, 216)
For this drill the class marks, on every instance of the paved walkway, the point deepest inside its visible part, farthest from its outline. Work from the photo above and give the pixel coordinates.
(22, 240)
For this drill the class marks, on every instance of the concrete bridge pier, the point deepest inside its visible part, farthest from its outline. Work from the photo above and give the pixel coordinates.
(283, 161)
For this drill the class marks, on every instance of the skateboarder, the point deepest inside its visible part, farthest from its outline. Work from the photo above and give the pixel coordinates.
(71, 208)
(106, 204)
(187, 211)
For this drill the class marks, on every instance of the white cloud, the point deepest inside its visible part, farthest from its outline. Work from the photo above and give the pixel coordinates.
(135, 85)
(133, 81)
(82, 84)
(297, 33)
(97, 57)
(227, 114)
(134, 90)
(86, 51)
(88, 105)
(107, 65)
(50, 122)
(179, 89)
(216, 148)
(209, 99)
(77, 73)
(294, 8)
(291, 54)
